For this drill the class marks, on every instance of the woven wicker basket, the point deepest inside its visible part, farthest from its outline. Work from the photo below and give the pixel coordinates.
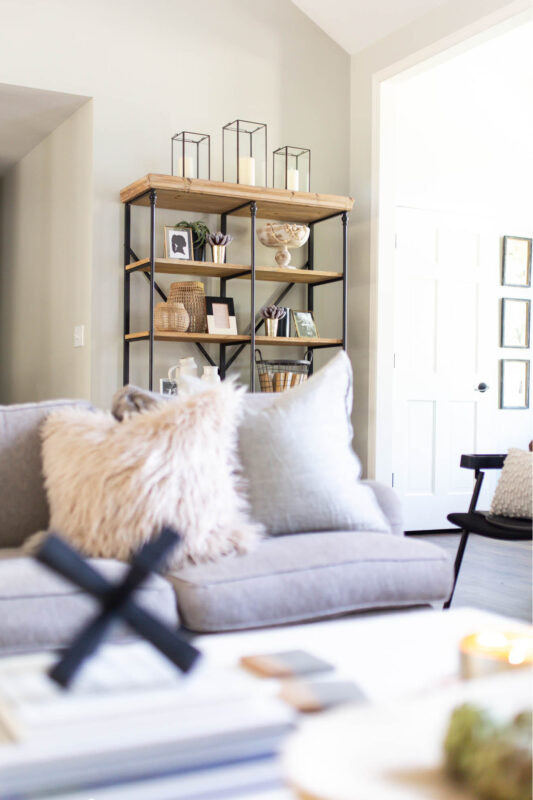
(171, 317)
(192, 295)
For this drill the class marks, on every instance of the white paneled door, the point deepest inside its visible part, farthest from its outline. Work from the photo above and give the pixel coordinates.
(446, 323)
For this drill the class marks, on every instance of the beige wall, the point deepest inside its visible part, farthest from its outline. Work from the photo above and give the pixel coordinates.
(154, 68)
(45, 266)
(437, 31)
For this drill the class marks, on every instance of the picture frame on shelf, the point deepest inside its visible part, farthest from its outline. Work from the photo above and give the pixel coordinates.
(304, 324)
(516, 261)
(178, 243)
(168, 387)
(221, 318)
(514, 383)
(515, 322)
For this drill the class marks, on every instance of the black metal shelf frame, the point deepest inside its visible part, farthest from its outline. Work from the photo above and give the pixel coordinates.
(225, 362)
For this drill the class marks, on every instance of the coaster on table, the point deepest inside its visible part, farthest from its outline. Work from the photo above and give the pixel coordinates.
(308, 696)
(287, 664)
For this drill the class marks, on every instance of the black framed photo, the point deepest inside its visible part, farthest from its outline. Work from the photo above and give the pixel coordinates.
(304, 324)
(221, 315)
(514, 383)
(516, 261)
(167, 386)
(178, 243)
(515, 322)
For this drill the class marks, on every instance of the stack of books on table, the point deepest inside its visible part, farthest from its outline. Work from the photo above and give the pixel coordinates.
(132, 726)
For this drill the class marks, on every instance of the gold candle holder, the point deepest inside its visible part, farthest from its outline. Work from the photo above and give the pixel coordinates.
(219, 253)
(271, 326)
(488, 652)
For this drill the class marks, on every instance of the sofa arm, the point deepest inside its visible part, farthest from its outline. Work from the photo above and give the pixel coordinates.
(390, 504)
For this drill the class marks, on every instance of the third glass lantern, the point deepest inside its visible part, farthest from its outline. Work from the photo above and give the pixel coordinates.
(292, 168)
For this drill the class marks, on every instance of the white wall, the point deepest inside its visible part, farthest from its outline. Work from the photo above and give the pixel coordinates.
(439, 30)
(154, 68)
(45, 266)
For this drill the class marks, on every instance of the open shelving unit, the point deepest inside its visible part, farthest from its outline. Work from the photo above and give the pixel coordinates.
(228, 199)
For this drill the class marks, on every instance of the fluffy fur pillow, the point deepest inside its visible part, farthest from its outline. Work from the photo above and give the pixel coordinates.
(112, 485)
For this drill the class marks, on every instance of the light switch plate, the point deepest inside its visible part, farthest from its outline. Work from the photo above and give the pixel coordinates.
(79, 335)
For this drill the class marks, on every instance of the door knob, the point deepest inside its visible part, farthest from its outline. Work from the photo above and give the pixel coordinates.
(481, 387)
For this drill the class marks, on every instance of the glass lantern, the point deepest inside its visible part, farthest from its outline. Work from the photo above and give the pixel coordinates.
(191, 155)
(244, 152)
(292, 168)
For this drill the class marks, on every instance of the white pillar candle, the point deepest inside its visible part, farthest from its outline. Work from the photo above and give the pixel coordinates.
(293, 179)
(189, 167)
(247, 170)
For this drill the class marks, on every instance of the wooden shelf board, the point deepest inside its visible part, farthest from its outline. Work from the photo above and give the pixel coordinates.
(202, 338)
(288, 275)
(296, 341)
(216, 197)
(173, 266)
(209, 338)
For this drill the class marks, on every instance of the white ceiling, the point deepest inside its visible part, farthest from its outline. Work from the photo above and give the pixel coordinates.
(27, 116)
(356, 24)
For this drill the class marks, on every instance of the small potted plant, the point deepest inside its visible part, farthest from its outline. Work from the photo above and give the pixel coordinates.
(200, 232)
(219, 242)
(272, 315)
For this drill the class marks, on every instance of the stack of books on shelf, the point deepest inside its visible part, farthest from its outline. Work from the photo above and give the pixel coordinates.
(132, 726)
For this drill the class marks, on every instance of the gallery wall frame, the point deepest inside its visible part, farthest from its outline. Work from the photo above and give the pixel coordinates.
(515, 322)
(514, 383)
(516, 261)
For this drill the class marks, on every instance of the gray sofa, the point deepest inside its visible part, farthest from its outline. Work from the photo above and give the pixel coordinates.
(287, 579)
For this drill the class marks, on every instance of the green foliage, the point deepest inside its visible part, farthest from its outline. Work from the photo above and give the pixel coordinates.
(200, 231)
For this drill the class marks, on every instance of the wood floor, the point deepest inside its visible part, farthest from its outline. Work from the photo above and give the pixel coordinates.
(495, 575)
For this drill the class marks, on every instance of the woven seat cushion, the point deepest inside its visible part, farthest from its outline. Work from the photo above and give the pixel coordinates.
(311, 575)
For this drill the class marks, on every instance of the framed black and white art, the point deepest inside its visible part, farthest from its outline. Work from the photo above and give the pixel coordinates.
(514, 383)
(178, 243)
(516, 261)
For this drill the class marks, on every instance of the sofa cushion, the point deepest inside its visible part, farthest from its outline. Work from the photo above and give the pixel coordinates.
(39, 610)
(23, 506)
(311, 575)
(297, 456)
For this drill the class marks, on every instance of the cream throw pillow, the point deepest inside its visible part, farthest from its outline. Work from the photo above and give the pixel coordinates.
(113, 485)
(296, 452)
(514, 493)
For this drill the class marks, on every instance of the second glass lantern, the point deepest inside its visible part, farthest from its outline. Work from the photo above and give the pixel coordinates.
(292, 168)
(244, 152)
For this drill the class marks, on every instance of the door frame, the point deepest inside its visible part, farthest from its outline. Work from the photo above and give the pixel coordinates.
(381, 326)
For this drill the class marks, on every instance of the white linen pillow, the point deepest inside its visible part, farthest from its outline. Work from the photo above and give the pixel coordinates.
(296, 453)
(113, 485)
(514, 493)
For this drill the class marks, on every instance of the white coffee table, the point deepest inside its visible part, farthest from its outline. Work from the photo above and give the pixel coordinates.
(391, 656)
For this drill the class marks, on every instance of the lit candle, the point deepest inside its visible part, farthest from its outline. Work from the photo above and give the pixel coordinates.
(247, 170)
(189, 167)
(494, 651)
(293, 179)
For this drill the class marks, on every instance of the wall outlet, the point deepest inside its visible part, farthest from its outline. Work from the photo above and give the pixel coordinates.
(79, 335)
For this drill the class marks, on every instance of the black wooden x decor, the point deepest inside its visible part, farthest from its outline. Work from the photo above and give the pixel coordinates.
(116, 603)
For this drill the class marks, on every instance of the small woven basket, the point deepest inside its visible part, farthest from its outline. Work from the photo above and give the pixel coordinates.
(171, 317)
(281, 374)
(192, 295)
